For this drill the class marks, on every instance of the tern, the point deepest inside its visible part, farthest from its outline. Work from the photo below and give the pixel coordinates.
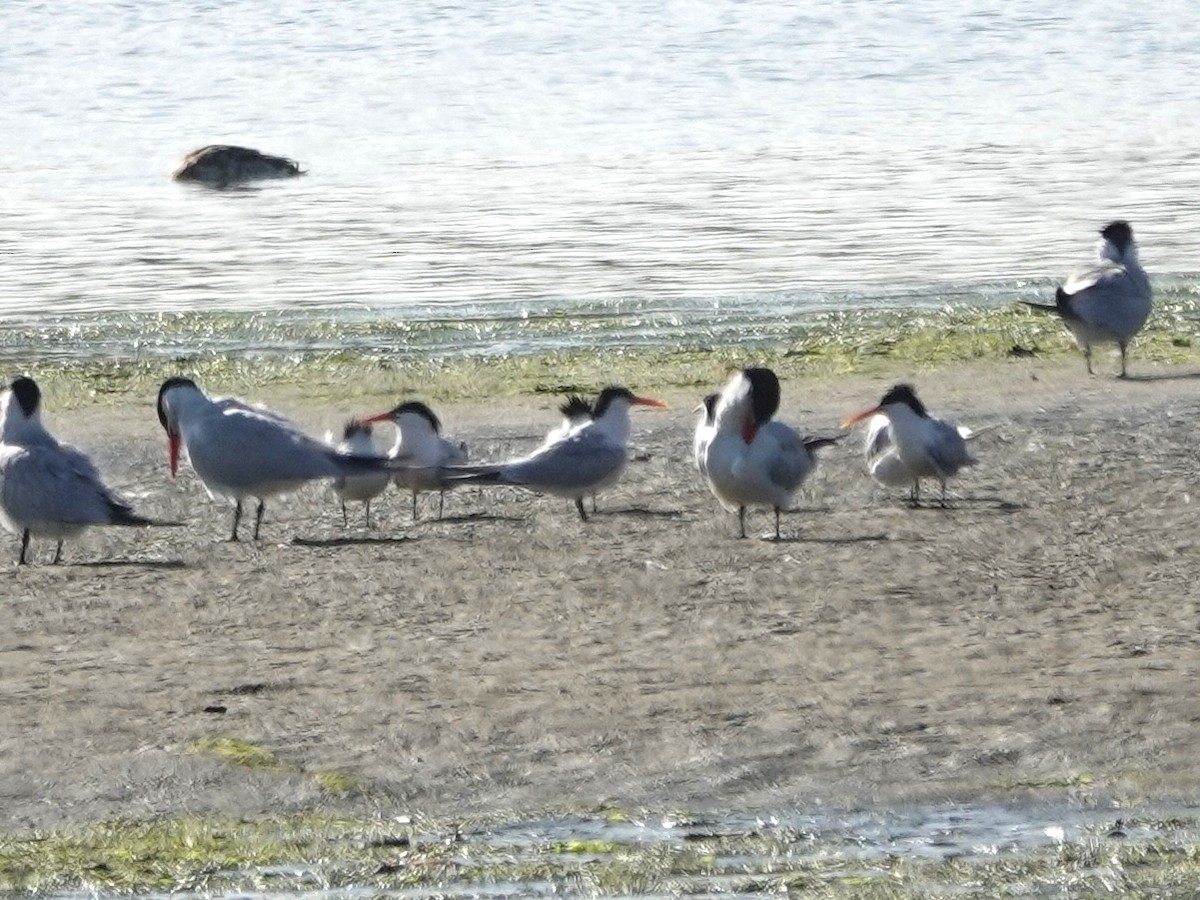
(239, 450)
(750, 458)
(1108, 303)
(47, 488)
(905, 443)
(420, 451)
(357, 440)
(585, 460)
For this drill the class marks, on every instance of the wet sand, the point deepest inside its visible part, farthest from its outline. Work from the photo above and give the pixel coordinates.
(1041, 631)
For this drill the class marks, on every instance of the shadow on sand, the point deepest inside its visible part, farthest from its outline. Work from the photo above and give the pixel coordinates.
(835, 541)
(992, 503)
(351, 541)
(473, 517)
(640, 512)
(1150, 379)
(130, 564)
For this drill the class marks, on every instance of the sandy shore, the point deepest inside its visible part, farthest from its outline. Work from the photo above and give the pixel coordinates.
(1042, 630)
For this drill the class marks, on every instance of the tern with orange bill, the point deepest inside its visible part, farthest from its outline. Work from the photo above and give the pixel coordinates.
(239, 450)
(584, 460)
(420, 451)
(905, 443)
(750, 458)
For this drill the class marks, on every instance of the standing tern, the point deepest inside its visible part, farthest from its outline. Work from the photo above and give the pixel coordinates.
(420, 451)
(357, 440)
(905, 443)
(751, 459)
(47, 488)
(1108, 303)
(585, 460)
(239, 450)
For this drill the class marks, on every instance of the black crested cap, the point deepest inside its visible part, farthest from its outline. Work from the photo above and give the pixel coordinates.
(417, 408)
(173, 382)
(904, 393)
(764, 393)
(607, 396)
(355, 426)
(1118, 233)
(575, 407)
(28, 395)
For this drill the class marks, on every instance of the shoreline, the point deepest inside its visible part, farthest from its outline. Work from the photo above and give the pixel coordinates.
(833, 347)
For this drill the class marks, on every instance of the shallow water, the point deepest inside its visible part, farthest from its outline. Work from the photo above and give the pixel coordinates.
(744, 855)
(484, 163)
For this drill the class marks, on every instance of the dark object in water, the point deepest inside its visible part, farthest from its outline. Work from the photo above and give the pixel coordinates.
(222, 164)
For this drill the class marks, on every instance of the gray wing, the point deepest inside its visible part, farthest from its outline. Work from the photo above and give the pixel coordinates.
(1109, 297)
(948, 450)
(788, 460)
(251, 448)
(584, 458)
(55, 484)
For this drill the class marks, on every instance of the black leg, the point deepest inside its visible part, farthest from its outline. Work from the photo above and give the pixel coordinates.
(943, 493)
(262, 505)
(368, 514)
(579, 506)
(414, 506)
(777, 523)
(441, 503)
(57, 554)
(24, 547)
(345, 521)
(741, 521)
(1087, 357)
(593, 502)
(237, 518)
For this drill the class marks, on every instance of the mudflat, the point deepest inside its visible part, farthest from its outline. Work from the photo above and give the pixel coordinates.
(1042, 629)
